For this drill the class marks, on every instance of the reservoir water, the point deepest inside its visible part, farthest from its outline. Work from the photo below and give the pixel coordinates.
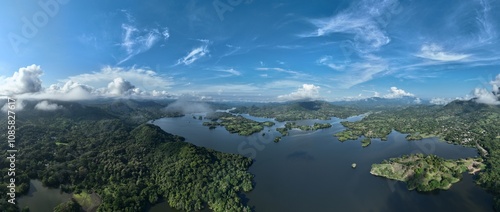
(41, 198)
(311, 171)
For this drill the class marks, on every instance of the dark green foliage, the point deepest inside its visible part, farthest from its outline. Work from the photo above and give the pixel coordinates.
(69, 206)
(461, 122)
(299, 111)
(236, 123)
(129, 166)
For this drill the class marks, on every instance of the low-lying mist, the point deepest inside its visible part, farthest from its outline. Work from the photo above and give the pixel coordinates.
(186, 107)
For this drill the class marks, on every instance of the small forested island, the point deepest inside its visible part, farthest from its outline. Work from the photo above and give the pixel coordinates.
(366, 142)
(293, 125)
(300, 111)
(236, 123)
(426, 173)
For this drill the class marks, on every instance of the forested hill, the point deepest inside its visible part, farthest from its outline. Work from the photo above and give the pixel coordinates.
(130, 166)
(292, 111)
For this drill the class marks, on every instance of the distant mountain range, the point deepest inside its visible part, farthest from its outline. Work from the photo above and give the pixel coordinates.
(378, 102)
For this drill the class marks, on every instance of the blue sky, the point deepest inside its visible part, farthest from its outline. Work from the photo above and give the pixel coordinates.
(249, 49)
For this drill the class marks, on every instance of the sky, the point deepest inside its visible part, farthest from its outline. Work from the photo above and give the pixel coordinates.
(250, 50)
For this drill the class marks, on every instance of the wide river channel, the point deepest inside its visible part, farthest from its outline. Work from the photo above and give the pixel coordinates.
(311, 171)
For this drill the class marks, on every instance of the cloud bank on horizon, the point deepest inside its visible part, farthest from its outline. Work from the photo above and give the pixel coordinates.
(294, 50)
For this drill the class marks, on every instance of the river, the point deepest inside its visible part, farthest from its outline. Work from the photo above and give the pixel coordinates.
(311, 171)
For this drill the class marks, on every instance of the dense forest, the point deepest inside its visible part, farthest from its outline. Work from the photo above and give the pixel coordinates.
(235, 123)
(130, 166)
(461, 122)
(426, 173)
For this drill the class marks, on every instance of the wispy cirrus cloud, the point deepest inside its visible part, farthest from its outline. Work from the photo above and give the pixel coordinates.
(292, 73)
(136, 41)
(328, 61)
(436, 52)
(352, 74)
(363, 20)
(195, 54)
(230, 72)
(487, 31)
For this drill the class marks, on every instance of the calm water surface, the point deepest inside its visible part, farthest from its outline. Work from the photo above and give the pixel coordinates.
(41, 198)
(311, 171)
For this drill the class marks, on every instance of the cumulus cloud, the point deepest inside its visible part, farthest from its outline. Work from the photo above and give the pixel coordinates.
(19, 105)
(119, 86)
(45, 105)
(144, 78)
(109, 82)
(25, 80)
(397, 93)
(496, 85)
(436, 52)
(195, 54)
(486, 97)
(481, 95)
(306, 92)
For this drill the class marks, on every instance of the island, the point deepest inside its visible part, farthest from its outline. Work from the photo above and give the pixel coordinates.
(236, 123)
(460, 122)
(293, 125)
(426, 173)
(366, 142)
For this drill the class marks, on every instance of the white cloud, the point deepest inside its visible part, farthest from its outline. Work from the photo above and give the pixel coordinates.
(25, 80)
(109, 82)
(143, 78)
(119, 86)
(496, 85)
(327, 61)
(45, 105)
(436, 52)
(306, 92)
(365, 20)
(481, 95)
(486, 97)
(397, 93)
(136, 41)
(165, 33)
(360, 73)
(487, 28)
(292, 73)
(230, 71)
(19, 105)
(195, 54)
(440, 101)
